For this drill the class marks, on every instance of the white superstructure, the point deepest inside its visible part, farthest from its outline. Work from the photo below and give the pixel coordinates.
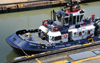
(68, 27)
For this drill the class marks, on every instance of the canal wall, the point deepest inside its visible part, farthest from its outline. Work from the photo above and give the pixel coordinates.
(24, 5)
(25, 58)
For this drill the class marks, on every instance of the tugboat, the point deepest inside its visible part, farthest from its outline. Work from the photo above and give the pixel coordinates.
(69, 29)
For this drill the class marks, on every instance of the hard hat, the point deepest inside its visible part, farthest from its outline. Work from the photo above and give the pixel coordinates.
(92, 15)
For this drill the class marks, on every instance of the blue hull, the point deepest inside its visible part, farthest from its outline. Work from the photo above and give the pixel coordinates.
(19, 43)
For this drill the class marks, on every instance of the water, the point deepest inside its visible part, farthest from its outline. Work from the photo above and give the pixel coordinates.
(11, 22)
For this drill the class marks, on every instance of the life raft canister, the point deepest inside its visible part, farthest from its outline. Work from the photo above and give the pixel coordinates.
(55, 28)
(65, 36)
(45, 22)
(84, 23)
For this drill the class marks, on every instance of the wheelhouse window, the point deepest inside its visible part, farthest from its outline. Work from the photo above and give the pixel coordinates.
(66, 20)
(81, 16)
(78, 18)
(74, 19)
(70, 21)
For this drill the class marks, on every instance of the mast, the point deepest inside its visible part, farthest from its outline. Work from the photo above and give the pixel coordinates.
(70, 5)
(53, 16)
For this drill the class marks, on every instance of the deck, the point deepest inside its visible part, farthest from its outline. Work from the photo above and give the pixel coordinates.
(35, 39)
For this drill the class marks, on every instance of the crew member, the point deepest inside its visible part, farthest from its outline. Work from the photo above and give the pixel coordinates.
(92, 18)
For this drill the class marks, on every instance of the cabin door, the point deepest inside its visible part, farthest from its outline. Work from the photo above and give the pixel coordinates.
(47, 37)
(69, 36)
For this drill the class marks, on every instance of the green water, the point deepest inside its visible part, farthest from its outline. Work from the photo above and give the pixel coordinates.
(11, 22)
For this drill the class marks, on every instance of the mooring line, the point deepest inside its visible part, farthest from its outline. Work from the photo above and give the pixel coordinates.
(22, 49)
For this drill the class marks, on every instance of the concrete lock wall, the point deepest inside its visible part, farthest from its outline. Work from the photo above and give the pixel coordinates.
(22, 5)
(11, 1)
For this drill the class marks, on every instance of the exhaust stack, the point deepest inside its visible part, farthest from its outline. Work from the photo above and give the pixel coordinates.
(54, 16)
(62, 21)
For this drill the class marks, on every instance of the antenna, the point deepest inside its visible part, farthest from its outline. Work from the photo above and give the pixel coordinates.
(60, 3)
(70, 5)
(54, 17)
(28, 21)
(51, 15)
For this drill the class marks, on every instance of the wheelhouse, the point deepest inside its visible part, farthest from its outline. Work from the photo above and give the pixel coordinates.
(73, 19)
